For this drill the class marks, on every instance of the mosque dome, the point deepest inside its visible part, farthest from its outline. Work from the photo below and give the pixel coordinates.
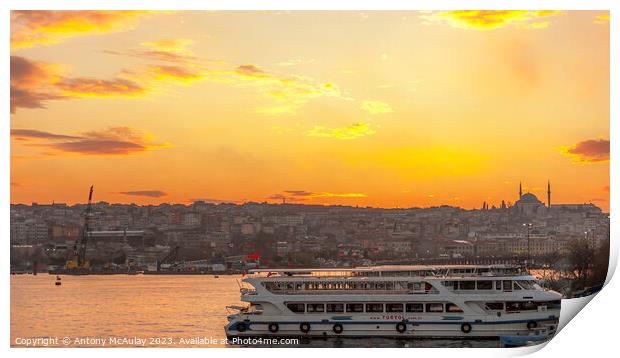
(528, 198)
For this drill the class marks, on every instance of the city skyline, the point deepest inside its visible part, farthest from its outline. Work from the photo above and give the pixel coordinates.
(484, 205)
(156, 107)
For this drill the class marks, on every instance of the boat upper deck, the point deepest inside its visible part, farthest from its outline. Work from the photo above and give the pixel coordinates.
(443, 271)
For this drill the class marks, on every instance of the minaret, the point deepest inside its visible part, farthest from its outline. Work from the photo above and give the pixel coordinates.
(520, 191)
(548, 194)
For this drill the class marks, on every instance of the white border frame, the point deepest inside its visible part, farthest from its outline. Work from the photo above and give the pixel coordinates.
(591, 331)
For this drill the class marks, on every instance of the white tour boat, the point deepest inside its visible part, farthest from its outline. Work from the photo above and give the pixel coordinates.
(491, 301)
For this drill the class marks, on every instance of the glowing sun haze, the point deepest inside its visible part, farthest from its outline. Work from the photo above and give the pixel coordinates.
(388, 109)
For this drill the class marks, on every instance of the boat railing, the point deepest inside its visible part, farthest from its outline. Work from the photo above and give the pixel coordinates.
(352, 292)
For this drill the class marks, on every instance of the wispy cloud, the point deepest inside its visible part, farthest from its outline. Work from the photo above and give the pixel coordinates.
(29, 134)
(34, 83)
(353, 131)
(31, 28)
(308, 194)
(110, 141)
(376, 107)
(92, 87)
(174, 73)
(146, 193)
(588, 151)
(172, 64)
(303, 195)
(490, 19)
(168, 50)
(31, 83)
(290, 92)
(169, 44)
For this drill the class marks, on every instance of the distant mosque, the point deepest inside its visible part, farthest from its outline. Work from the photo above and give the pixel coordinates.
(529, 205)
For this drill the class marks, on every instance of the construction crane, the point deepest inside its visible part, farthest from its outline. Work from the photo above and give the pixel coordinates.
(79, 254)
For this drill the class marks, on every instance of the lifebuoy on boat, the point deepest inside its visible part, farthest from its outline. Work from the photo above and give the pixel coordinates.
(401, 327)
(304, 327)
(531, 325)
(273, 327)
(466, 328)
(337, 328)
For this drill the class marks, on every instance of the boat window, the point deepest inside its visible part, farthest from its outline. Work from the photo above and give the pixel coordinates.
(355, 307)
(335, 307)
(380, 286)
(551, 305)
(507, 285)
(526, 285)
(296, 307)
(513, 306)
(484, 285)
(417, 286)
(393, 307)
(451, 307)
(289, 286)
(498, 285)
(467, 285)
(521, 306)
(515, 286)
(299, 286)
(449, 284)
(400, 285)
(434, 307)
(494, 306)
(315, 307)
(374, 307)
(414, 307)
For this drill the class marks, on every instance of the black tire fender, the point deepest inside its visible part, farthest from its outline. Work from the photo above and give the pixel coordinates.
(304, 327)
(532, 325)
(273, 327)
(337, 328)
(401, 327)
(466, 327)
(242, 327)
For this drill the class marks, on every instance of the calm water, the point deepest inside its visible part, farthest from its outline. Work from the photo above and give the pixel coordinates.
(162, 310)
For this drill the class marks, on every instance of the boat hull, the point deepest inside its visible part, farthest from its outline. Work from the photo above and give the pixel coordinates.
(420, 329)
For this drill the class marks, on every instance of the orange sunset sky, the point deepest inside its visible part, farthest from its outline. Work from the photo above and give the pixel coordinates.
(389, 109)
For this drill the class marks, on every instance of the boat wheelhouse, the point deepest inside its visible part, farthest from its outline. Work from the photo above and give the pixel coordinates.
(396, 301)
